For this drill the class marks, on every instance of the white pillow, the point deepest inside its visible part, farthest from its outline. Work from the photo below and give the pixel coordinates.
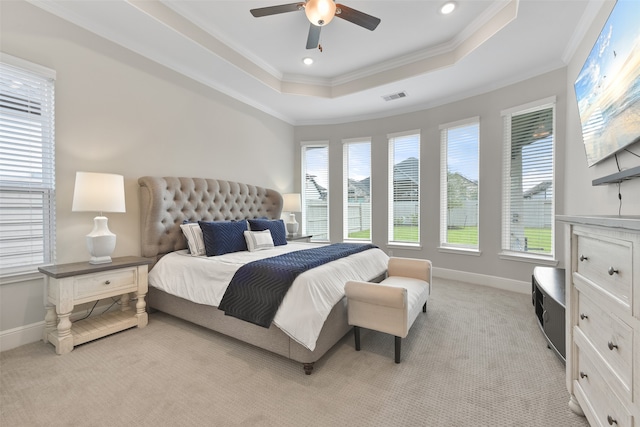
(258, 240)
(193, 233)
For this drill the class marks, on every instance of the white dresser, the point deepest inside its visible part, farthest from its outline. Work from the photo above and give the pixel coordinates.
(603, 318)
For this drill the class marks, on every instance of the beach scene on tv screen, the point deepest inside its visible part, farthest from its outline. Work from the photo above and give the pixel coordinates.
(608, 86)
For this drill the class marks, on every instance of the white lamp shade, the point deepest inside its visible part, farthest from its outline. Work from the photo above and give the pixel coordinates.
(320, 12)
(292, 202)
(98, 192)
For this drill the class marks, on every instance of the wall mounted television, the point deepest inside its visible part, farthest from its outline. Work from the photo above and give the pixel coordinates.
(608, 86)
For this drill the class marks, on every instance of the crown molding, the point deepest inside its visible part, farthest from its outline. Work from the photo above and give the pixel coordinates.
(187, 31)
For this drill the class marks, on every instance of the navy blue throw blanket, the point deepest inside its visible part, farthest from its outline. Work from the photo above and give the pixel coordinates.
(257, 289)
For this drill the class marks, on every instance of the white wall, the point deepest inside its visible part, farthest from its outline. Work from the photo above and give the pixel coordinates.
(580, 196)
(118, 112)
(488, 106)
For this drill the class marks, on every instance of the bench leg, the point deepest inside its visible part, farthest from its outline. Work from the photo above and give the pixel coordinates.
(356, 334)
(398, 341)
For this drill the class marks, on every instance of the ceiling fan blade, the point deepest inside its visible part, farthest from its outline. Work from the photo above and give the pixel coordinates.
(355, 16)
(314, 36)
(274, 10)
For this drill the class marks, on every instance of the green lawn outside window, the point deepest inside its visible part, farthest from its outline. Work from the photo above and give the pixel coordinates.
(538, 239)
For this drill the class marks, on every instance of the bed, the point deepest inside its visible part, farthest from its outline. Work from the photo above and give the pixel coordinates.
(169, 202)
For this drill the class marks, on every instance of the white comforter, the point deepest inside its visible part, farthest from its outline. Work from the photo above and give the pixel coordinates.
(306, 305)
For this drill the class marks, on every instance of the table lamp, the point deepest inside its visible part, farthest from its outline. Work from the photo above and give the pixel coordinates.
(292, 204)
(99, 192)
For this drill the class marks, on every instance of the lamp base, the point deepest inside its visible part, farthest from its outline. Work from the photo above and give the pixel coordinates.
(100, 260)
(292, 225)
(101, 242)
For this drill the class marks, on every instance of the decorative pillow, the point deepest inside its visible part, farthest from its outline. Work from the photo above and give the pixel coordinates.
(223, 237)
(276, 226)
(258, 240)
(193, 233)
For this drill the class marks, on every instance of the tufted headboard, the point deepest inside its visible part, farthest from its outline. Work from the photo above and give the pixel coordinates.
(167, 202)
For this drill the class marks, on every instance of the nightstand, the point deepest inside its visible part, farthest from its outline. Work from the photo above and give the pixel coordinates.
(67, 285)
(300, 238)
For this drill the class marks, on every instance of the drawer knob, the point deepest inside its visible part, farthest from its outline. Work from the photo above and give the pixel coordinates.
(612, 271)
(611, 345)
(611, 420)
(108, 282)
(583, 258)
(583, 375)
(583, 316)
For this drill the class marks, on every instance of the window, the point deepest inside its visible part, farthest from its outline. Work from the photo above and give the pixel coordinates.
(356, 187)
(404, 188)
(528, 183)
(27, 184)
(459, 150)
(315, 191)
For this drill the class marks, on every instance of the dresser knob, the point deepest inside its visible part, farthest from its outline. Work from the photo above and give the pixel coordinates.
(583, 316)
(612, 345)
(108, 282)
(612, 271)
(583, 258)
(611, 420)
(583, 375)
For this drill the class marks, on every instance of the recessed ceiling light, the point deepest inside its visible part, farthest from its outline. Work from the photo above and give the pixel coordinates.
(307, 61)
(447, 8)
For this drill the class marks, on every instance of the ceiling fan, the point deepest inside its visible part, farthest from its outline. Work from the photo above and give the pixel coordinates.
(320, 13)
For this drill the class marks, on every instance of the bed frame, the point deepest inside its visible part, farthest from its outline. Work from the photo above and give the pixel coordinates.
(167, 202)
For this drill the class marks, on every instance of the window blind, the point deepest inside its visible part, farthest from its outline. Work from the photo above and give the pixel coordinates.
(356, 187)
(315, 191)
(27, 181)
(528, 199)
(404, 188)
(459, 183)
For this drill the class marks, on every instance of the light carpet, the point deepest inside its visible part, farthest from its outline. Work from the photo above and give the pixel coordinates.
(476, 358)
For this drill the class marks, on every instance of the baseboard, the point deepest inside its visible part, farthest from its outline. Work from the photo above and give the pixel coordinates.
(484, 280)
(21, 335)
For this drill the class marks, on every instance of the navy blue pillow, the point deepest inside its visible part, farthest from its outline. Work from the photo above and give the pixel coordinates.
(223, 237)
(276, 226)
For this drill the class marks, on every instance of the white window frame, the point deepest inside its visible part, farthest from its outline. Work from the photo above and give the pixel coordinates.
(37, 84)
(391, 219)
(304, 213)
(507, 252)
(346, 143)
(444, 188)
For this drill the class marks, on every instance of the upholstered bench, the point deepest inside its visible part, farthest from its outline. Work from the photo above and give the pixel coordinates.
(392, 305)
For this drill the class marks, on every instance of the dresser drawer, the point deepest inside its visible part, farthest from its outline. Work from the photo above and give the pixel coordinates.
(606, 262)
(607, 408)
(105, 284)
(609, 336)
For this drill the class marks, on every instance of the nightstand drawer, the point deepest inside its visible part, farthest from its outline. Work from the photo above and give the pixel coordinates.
(609, 336)
(607, 264)
(105, 284)
(607, 408)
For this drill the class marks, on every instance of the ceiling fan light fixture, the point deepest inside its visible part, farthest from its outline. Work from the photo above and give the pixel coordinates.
(447, 8)
(320, 12)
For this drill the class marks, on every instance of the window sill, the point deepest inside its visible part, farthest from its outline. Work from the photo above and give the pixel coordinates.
(532, 258)
(459, 251)
(29, 276)
(348, 240)
(397, 245)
